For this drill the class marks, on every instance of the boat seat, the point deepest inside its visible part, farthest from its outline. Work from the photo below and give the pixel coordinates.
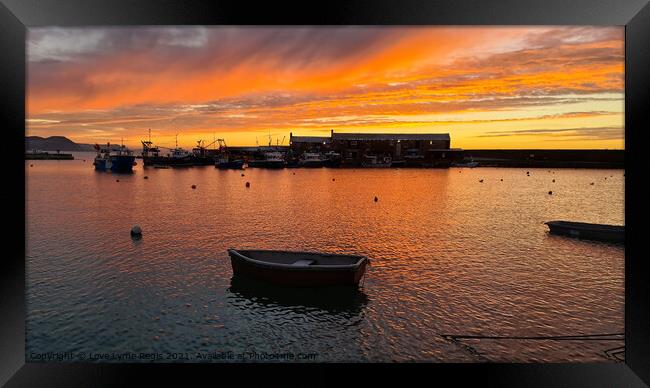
(303, 263)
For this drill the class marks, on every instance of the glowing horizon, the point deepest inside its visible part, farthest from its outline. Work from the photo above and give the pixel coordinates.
(488, 87)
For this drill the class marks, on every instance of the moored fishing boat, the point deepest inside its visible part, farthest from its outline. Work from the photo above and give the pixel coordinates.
(120, 160)
(311, 159)
(332, 159)
(225, 163)
(272, 159)
(225, 160)
(301, 269)
(583, 230)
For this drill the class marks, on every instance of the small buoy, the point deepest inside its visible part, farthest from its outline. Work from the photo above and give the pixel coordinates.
(136, 231)
(333, 179)
(242, 174)
(550, 192)
(592, 183)
(501, 179)
(117, 180)
(31, 165)
(553, 180)
(194, 186)
(146, 177)
(376, 199)
(481, 180)
(248, 184)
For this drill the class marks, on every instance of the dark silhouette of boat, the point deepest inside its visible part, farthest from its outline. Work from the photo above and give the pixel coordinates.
(226, 163)
(311, 159)
(269, 160)
(332, 159)
(299, 269)
(583, 230)
(120, 160)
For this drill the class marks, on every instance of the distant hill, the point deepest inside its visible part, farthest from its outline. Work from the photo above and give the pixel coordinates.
(54, 143)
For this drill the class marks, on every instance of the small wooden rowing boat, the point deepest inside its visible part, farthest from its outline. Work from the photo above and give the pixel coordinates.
(301, 269)
(600, 232)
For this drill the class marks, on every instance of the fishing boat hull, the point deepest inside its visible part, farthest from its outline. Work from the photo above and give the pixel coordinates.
(167, 161)
(202, 160)
(122, 163)
(291, 269)
(232, 164)
(266, 163)
(582, 230)
(333, 163)
(311, 163)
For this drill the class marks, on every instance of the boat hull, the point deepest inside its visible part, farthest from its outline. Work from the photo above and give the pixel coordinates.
(311, 163)
(233, 164)
(102, 164)
(202, 160)
(266, 164)
(122, 163)
(597, 232)
(297, 276)
(334, 163)
(167, 161)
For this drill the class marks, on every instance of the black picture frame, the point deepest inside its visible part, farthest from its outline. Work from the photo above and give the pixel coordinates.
(16, 16)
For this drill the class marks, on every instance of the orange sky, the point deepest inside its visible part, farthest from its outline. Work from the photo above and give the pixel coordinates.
(488, 87)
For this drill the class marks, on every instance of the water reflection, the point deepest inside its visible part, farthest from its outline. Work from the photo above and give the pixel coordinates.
(349, 301)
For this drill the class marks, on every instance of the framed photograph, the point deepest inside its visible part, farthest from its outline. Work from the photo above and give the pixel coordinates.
(433, 187)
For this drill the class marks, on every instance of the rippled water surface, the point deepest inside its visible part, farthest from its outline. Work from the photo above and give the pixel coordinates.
(450, 255)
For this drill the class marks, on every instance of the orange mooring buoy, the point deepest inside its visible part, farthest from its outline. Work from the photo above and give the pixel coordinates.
(248, 184)
(376, 199)
(194, 186)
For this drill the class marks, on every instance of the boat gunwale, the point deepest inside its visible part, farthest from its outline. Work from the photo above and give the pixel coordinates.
(342, 267)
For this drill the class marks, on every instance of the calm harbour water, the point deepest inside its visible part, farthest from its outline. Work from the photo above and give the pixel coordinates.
(450, 255)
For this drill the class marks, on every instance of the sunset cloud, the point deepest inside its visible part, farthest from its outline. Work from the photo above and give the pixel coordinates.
(101, 84)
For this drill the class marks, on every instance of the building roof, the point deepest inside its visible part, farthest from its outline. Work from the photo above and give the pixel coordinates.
(310, 139)
(391, 136)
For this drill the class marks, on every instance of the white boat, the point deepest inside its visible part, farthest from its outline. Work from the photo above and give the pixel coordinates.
(273, 159)
(311, 159)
